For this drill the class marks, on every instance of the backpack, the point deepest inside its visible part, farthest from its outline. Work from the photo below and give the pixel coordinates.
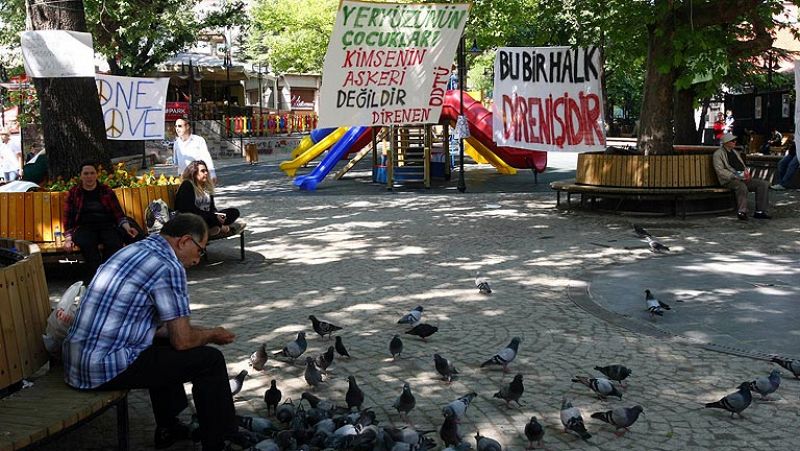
(157, 215)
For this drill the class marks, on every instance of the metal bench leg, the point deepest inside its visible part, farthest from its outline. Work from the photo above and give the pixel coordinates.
(241, 246)
(122, 424)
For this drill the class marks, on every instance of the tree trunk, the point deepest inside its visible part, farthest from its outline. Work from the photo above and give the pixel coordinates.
(685, 127)
(656, 119)
(72, 121)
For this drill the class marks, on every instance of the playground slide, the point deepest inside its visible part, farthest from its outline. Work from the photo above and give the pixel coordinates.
(290, 167)
(480, 126)
(316, 135)
(489, 156)
(473, 153)
(342, 147)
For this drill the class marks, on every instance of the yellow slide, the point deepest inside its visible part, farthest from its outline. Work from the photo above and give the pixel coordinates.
(492, 158)
(474, 154)
(304, 145)
(290, 167)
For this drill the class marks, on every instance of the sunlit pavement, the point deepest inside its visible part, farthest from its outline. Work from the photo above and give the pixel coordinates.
(358, 255)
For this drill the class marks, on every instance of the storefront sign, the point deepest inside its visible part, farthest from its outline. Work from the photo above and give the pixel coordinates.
(176, 110)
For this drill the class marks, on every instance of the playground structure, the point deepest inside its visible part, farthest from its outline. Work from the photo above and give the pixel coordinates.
(409, 154)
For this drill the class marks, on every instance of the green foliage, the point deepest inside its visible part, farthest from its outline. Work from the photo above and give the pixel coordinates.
(291, 36)
(120, 177)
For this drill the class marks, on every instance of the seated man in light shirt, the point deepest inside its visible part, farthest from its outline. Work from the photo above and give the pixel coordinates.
(189, 147)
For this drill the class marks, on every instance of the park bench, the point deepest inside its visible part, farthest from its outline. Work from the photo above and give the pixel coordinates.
(48, 408)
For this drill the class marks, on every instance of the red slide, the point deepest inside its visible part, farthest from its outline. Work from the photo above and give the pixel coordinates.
(480, 126)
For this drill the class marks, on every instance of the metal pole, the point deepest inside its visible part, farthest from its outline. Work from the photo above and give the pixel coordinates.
(20, 111)
(462, 185)
(260, 106)
(228, 86)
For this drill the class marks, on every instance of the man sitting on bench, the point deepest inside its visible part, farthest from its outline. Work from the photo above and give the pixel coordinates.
(133, 331)
(733, 174)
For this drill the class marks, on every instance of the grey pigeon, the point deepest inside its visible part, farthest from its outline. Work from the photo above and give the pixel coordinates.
(511, 392)
(267, 445)
(620, 417)
(412, 318)
(735, 402)
(294, 349)
(534, 432)
(237, 382)
(405, 402)
(463, 446)
(600, 385)
(449, 430)
(766, 384)
(458, 408)
(654, 306)
(259, 358)
(407, 435)
(312, 375)
(505, 356)
(572, 420)
(354, 396)
(656, 246)
(423, 331)
(325, 360)
(486, 443)
(340, 349)
(272, 397)
(323, 328)
(641, 232)
(483, 284)
(791, 365)
(285, 412)
(445, 368)
(616, 373)
(257, 424)
(395, 346)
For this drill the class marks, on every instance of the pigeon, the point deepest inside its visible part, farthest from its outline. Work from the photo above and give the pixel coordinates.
(237, 382)
(323, 328)
(641, 232)
(294, 349)
(405, 402)
(449, 430)
(340, 349)
(272, 397)
(259, 358)
(655, 246)
(445, 368)
(267, 445)
(395, 346)
(615, 372)
(511, 392)
(790, 365)
(766, 384)
(486, 444)
(620, 417)
(505, 356)
(458, 408)
(407, 435)
(654, 306)
(735, 402)
(423, 331)
(534, 432)
(285, 412)
(312, 375)
(483, 284)
(600, 385)
(572, 420)
(325, 360)
(463, 446)
(412, 318)
(354, 396)
(257, 424)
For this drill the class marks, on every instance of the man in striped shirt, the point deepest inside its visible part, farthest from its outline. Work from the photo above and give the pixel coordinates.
(132, 330)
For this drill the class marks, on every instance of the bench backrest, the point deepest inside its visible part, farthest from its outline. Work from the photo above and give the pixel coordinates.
(37, 216)
(24, 308)
(640, 171)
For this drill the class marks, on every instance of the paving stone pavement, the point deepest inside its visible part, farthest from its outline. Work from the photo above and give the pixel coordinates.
(360, 256)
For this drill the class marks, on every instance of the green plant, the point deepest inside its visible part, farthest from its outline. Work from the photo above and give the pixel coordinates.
(120, 177)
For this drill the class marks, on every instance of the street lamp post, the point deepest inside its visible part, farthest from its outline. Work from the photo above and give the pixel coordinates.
(228, 65)
(461, 62)
(191, 77)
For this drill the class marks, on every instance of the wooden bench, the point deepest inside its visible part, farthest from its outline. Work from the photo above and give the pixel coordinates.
(229, 235)
(49, 408)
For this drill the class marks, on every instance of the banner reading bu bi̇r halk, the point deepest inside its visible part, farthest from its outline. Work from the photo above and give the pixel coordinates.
(389, 64)
(548, 98)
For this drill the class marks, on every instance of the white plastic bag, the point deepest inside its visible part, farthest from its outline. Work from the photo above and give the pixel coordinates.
(60, 320)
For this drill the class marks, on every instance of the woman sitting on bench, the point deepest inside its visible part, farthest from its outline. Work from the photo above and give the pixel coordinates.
(196, 195)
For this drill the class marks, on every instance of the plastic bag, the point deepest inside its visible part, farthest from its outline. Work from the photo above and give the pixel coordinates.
(60, 320)
(157, 215)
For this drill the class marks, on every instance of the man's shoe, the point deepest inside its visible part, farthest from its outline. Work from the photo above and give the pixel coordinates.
(166, 436)
(742, 215)
(761, 215)
(777, 187)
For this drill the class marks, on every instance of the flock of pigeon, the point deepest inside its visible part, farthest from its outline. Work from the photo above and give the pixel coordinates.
(315, 423)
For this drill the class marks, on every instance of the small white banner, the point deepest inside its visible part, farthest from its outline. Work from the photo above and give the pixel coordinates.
(548, 98)
(57, 53)
(133, 107)
(389, 63)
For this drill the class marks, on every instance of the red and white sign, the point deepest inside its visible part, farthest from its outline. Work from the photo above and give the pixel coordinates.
(176, 110)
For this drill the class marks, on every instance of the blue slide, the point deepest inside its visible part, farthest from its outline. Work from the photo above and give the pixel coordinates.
(340, 149)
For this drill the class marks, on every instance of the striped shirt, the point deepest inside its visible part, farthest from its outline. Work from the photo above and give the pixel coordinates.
(137, 288)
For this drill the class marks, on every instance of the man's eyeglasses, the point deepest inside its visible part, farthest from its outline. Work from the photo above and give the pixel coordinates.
(201, 248)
